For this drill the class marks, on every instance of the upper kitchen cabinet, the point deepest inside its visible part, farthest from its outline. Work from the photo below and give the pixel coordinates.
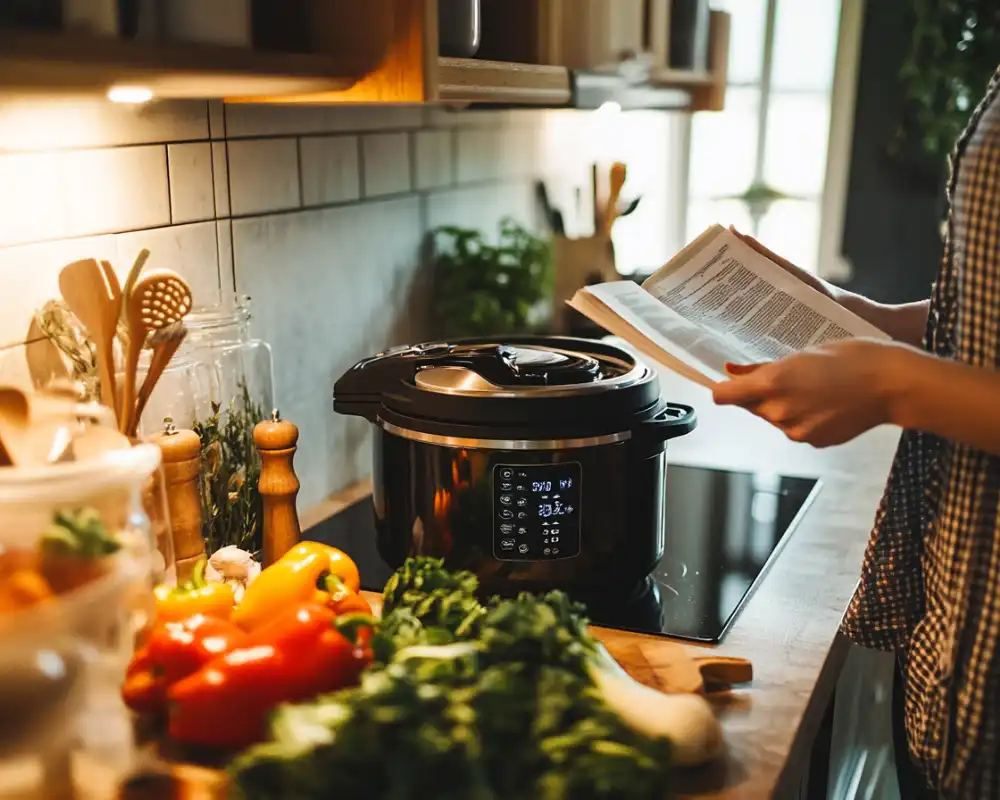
(553, 53)
(215, 48)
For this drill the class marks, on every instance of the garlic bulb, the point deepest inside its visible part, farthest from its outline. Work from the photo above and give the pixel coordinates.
(236, 567)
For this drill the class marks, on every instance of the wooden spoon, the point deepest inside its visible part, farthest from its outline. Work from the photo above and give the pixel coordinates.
(115, 289)
(85, 289)
(619, 172)
(134, 272)
(157, 300)
(164, 343)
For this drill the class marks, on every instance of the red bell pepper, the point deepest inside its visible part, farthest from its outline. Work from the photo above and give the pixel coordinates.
(296, 656)
(173, 651)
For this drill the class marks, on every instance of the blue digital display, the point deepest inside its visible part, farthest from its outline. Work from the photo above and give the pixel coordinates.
(537, 511)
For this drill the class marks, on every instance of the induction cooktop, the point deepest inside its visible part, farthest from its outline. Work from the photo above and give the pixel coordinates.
(723, 529)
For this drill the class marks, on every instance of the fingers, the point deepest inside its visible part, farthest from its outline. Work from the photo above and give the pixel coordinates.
(741, 391)
(735, 370)
(764, 251)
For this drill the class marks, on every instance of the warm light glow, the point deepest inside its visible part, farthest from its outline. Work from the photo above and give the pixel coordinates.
(130, 94)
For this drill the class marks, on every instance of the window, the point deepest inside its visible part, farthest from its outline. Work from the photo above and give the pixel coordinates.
(761, 163)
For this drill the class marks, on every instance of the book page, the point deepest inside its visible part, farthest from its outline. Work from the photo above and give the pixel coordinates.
(728, 290)
(719, 301)
(625, 309)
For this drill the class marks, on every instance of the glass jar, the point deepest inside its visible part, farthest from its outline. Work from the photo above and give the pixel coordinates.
(242, 395)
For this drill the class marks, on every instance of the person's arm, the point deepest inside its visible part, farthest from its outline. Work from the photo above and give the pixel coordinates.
(904, 323)
(947, 398)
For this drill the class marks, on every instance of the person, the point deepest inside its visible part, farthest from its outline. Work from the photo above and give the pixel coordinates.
(930, 581)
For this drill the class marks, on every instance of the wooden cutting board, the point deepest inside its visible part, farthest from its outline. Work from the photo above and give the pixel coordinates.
(659, 663)
(671, 667)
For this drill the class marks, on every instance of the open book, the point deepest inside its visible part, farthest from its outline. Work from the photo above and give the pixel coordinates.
(718, 301)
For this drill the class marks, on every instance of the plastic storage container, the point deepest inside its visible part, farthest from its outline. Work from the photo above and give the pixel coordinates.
(64, 731)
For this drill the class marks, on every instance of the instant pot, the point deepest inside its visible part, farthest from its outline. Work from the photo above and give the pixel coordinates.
(536, 463)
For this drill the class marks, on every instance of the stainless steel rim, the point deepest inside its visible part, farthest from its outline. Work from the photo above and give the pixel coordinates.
(463, 382)
(503, 444)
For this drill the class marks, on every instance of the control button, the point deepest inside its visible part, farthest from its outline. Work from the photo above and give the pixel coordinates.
(506, 486)
(507, 544)
(505, 499)
(506, 529)
(554, 538)
(522, 474)
(522, 531)
(555, 551)
(520, 488)
(523, 549)
(506, 513)
(506, 473)
(522, 514)
(521, 501)
(547, 551)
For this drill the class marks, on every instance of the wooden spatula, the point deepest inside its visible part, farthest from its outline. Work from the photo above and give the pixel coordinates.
(85, 289)
(673, 668)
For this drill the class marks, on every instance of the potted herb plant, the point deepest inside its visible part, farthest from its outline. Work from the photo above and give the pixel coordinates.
(485, 289)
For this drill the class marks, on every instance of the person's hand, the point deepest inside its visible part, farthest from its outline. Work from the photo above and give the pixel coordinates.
(823, 396)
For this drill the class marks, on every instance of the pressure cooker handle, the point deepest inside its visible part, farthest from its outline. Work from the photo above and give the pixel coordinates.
(673, 421)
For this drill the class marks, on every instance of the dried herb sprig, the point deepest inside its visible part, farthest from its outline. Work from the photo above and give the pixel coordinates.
(64, 330)
(230, 470)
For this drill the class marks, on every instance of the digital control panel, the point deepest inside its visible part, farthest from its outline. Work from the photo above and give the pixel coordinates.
(536, 511)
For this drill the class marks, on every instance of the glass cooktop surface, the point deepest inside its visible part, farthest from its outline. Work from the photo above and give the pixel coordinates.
(722, 530)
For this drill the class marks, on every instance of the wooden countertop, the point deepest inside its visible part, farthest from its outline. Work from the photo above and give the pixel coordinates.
(788, 628)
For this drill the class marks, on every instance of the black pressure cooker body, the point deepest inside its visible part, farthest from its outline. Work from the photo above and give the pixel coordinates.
(537, 463)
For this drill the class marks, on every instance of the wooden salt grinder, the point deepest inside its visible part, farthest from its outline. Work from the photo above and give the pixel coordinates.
(181, 451)
(278, 486)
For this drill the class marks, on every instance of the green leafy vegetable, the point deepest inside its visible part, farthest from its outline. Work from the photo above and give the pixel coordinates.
(436, 597)
(79, 533)
(490, 703)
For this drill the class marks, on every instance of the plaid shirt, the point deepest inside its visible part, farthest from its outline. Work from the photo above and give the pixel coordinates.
(930, 583)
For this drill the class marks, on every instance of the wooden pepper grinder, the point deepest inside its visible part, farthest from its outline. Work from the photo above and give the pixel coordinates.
(278, 486)
(181, 451)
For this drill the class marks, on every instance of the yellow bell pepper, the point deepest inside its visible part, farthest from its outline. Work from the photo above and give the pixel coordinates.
(299, 576)
(197, 596)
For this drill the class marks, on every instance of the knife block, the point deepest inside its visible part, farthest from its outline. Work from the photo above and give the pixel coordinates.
(576, 263)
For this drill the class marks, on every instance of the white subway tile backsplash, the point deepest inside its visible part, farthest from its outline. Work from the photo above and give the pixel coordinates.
(263, 175)
(220, 178)
(120, 189)
(50, 125)
(386, 162)
(346, 290)
(478, 152)
(224, 242)
(330, 169)
(283, 120)
(481, 207)
(32, 205)
(216, 119)
(29, 275)
(192, 191)
(435, 159)
(188, 250)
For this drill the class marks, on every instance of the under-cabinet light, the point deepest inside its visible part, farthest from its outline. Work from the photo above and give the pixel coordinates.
(130, 94)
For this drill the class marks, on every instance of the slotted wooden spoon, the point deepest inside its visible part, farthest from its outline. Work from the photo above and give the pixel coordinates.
(159, 299)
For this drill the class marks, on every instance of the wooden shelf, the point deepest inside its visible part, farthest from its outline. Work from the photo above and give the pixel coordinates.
(464, 80)
(80, 64)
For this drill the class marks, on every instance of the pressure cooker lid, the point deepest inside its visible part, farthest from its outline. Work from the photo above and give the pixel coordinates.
(528, 381)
